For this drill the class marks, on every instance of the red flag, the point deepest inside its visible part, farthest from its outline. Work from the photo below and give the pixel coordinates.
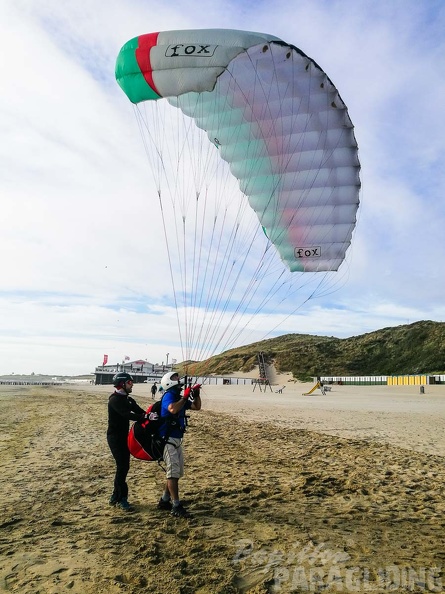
(105, 360)
(127, 358)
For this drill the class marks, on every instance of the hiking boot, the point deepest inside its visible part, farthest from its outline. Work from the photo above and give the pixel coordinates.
(179, 511)
(165, 505)
(123, 504)
(113, 500)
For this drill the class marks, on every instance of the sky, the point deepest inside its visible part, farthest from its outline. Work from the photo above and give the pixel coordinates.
(83, 269)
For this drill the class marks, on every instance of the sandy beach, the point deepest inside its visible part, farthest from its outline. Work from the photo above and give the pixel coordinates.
(288, 493)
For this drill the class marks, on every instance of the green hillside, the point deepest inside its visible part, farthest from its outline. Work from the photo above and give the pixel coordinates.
(409, 349)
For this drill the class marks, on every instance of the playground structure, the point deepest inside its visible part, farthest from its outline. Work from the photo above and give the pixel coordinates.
(323, 389)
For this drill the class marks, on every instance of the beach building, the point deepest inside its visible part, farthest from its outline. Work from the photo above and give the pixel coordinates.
(145, 372)
(140, 369)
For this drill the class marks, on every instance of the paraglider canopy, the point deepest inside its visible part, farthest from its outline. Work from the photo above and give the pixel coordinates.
(277, 120)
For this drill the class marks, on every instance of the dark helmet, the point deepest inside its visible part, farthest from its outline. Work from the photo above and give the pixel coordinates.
(121, 378)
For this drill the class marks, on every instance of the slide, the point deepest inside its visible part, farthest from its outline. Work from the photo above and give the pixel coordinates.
(317, 385)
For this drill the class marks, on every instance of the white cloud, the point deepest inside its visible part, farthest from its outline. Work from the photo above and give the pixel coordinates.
(83, 262)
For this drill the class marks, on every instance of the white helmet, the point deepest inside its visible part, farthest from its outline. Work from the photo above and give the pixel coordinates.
(167, 382)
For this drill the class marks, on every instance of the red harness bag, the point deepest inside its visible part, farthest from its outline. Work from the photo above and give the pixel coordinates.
(143, 439)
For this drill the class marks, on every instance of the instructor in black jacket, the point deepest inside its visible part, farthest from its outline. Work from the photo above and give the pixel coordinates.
(121, 409)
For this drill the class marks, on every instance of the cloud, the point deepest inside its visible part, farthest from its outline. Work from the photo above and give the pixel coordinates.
(84, 265)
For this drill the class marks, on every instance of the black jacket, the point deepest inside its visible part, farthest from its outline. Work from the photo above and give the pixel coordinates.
(121, 410)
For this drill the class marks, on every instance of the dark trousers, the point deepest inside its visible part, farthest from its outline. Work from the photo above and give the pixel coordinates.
(121, 455)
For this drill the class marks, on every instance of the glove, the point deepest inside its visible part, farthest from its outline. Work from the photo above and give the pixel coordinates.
(196, 389)
(190, 392)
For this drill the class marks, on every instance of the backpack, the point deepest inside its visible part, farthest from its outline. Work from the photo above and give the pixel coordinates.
(144, 441)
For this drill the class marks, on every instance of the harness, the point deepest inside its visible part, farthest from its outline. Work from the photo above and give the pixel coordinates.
(144, 439)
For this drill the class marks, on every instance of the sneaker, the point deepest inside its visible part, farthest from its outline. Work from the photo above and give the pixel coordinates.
(179, 511)
(112, 500)
(166, 505)
(123, 504)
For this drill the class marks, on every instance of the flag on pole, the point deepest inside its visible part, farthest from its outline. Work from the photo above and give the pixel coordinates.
(127, 358)
(105, 360)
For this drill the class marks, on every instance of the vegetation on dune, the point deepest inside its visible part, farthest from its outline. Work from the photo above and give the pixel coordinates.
(408, 349)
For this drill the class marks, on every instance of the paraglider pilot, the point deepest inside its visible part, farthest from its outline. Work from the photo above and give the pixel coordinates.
(173, 408)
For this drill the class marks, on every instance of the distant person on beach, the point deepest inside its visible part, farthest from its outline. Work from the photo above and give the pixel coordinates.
(154, 389)
(121, 409)
(173, 414)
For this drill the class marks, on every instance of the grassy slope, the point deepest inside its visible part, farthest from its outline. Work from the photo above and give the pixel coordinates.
(413, 348)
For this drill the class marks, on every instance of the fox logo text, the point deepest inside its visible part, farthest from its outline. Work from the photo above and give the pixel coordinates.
(307, 252)
(195, 50)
